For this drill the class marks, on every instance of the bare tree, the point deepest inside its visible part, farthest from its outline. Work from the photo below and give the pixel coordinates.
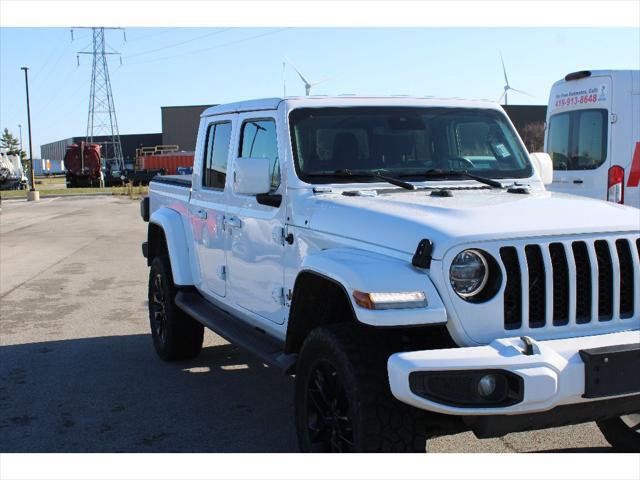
(533, 136)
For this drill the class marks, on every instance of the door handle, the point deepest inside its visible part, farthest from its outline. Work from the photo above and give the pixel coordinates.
(202, 214)
(233, 222)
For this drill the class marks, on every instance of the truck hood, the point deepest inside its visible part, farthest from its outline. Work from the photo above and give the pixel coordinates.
(399, 219)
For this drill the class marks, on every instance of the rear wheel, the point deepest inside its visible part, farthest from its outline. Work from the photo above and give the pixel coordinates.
(623, 433)
(176, 335)
(342, 398)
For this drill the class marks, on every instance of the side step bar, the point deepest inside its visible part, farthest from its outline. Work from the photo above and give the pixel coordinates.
(236, 331)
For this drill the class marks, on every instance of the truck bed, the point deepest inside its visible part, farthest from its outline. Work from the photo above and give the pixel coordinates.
(179, 180)
(171, 191)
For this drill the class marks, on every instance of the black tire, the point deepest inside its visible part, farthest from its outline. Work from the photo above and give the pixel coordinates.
(176, 336)
(623, 433)
(360, 413)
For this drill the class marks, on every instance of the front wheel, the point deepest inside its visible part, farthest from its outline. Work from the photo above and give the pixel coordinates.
(176, 336)
(623, 433)
(342, 398)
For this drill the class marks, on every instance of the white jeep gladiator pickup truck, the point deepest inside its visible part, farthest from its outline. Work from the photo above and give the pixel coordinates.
(402, 258)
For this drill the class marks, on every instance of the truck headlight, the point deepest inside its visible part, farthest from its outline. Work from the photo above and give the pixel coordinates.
(469, 273)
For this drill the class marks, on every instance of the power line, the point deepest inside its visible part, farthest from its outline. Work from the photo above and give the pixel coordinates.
(58, 89)
(179, 43)
(65, 48)
(48, 58)
(213, 47)
(154, 34)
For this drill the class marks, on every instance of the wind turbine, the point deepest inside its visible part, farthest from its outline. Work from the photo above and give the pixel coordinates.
(508, 87)
(307, 83)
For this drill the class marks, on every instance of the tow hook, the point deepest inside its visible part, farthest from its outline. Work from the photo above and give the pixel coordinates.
(528, 346)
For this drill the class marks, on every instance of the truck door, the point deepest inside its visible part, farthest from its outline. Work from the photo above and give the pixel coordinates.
(579, 136)
(207, 206)
(255, 253)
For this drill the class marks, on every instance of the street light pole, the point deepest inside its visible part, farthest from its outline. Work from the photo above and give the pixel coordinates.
(20, 128)
(33, 183)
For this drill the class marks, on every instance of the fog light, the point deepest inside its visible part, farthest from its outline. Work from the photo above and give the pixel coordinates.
(487, 386)
(469, 388)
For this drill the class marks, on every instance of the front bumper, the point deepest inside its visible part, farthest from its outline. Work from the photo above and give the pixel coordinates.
(552, 375)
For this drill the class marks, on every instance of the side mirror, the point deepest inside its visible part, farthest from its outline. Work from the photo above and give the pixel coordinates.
(251, 176)
(544, 165)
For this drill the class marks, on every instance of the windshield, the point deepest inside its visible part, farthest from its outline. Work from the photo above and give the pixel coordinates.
(404, 141)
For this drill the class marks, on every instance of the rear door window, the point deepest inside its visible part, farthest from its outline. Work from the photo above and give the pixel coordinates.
(590, 143)
(578, 140)
(216, 155)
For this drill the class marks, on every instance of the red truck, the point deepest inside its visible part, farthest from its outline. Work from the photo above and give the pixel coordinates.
(83, 165)
(170, 162)
(159, 160)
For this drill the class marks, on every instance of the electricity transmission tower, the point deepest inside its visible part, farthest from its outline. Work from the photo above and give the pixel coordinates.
(101, 120)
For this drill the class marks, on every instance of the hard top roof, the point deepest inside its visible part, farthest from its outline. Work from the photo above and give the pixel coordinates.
(345, 101)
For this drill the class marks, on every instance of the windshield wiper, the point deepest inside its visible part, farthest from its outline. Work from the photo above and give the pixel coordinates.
(435, 173)
(348, 173)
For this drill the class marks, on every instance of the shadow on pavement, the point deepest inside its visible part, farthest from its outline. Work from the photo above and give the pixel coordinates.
(580, 450)
(113, 394)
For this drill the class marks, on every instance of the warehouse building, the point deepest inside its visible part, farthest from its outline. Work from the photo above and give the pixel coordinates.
(180, 125)
(56, 150)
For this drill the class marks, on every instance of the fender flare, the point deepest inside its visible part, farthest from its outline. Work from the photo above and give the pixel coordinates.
(355, 269)
(171, 223)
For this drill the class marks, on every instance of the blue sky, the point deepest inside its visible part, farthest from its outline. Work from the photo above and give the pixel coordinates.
(187, 66)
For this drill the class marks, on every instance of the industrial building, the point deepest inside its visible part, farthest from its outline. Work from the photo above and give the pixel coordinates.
(56, 150)
(180, 125)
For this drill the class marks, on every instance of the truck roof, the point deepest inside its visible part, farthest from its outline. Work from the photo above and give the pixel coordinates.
(346, 101)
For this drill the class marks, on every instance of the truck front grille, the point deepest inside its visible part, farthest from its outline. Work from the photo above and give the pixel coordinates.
(570, 283)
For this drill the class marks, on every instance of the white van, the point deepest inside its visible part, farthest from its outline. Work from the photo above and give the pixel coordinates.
(593, 135)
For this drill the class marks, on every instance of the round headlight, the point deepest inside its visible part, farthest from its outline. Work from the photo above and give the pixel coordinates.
(469, 273)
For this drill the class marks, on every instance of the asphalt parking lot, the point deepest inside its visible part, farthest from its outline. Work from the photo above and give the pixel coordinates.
(77, 368)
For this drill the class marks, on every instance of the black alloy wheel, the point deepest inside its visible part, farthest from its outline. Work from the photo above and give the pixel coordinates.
(330, 427)
(158, 307)
(342, 398)
(175, 335)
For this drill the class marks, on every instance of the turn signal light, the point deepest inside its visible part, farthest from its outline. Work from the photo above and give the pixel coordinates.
(387, 300)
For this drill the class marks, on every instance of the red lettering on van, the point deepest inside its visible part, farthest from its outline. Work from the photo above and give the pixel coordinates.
(634, 174)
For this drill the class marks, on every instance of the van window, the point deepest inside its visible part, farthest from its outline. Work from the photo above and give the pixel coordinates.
(578, 140)
(558, 143)
(216, 154)
(259, 140)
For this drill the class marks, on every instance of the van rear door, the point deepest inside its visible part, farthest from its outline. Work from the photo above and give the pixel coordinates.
(579, 135)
